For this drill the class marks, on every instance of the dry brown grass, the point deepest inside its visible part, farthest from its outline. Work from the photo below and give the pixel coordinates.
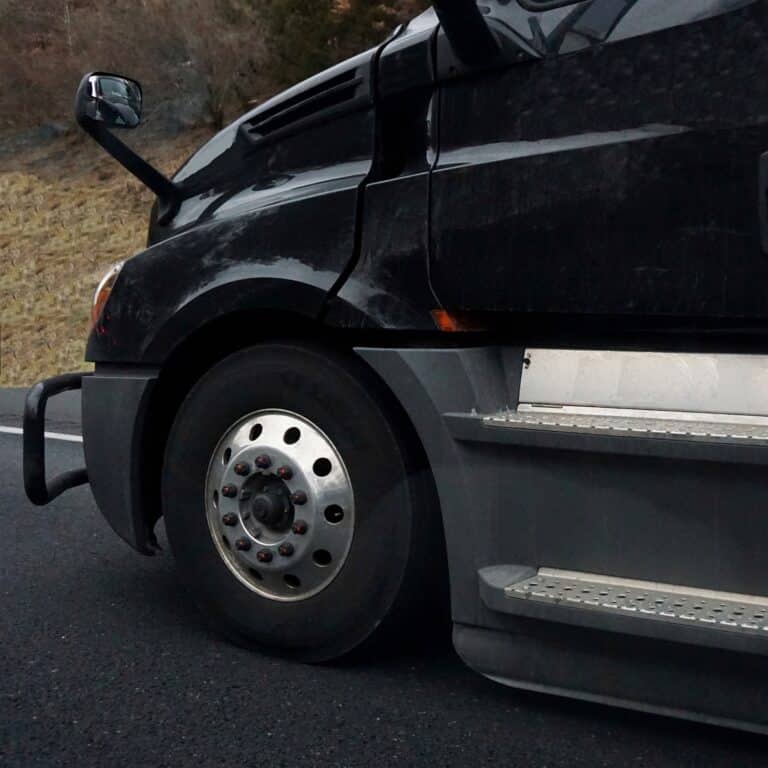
(67, 212)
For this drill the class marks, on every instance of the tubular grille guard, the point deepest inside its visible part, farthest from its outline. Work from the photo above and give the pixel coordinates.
(40, 491)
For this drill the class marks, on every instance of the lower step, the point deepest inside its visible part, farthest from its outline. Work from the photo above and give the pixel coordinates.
(663, 611)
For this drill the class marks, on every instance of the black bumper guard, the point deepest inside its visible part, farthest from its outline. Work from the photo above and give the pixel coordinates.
(40, 491)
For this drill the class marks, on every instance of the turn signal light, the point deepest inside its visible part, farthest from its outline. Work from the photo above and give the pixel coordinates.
(103, 291)
(454, 322)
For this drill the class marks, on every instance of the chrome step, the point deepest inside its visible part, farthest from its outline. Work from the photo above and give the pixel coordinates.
(664, 611)
(724, 610)
(696, 437)
(674, 428)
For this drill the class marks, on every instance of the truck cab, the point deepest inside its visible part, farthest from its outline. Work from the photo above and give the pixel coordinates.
(474, 323)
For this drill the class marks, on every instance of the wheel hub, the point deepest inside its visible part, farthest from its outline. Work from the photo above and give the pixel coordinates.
(272, 506)
(280, 505)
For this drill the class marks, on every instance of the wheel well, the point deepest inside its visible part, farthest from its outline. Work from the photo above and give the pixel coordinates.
(231, 333)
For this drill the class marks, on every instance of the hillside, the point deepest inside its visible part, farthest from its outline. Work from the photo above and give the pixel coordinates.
(199, 60)
(67, 211)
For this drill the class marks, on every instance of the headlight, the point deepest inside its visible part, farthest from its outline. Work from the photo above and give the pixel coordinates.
(103, 291)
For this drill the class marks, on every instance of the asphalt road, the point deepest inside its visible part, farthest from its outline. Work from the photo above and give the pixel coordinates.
(104, 661)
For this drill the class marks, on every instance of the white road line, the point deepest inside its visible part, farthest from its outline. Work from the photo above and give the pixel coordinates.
(50, 435)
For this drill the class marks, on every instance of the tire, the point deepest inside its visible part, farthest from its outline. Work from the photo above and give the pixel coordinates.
(391, 582)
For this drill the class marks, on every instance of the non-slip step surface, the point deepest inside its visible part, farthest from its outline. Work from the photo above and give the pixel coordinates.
(715, 610)
(659, 612)
(632, 425)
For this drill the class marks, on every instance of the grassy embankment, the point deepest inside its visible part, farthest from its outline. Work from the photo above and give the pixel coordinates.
(67, 212)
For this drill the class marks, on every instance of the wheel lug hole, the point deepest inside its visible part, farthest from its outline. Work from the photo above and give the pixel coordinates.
(229, 491)
(286, 549)
(229, 519)
(322, 558)
(263, 462)
(299, 497)
(334, 514)
(242, 545)
(300, 527)
(243, 469)
(264, 556)
(285, 473)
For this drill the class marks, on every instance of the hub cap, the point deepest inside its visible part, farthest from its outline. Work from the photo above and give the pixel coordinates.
(280, 505)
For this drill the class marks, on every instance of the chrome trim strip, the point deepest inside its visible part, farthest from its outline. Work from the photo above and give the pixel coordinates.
(736, 385)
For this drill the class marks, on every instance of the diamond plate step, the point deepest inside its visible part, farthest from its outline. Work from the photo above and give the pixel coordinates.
(632, 425)
(734, 439)
(723, 610)
(664, 611)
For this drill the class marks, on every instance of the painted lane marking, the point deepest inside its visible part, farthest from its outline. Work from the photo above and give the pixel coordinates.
(50, 435)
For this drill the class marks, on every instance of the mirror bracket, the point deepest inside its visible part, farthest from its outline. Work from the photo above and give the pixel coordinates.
(466, 29)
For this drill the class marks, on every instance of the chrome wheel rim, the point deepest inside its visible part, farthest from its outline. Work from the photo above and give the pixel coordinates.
(280, 505)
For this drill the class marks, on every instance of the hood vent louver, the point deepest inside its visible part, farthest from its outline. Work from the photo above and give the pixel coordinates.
(339, 94)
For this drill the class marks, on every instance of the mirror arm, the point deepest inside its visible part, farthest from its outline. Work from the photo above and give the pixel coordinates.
(168, 193)
(469, 34)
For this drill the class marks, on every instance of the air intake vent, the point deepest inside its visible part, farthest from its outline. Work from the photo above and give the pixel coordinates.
(338, 94)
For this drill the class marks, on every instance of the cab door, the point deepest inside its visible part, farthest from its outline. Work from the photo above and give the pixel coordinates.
(607, 163)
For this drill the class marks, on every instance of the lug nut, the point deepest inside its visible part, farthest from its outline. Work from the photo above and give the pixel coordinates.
(264, 556)
(285, 473)
(286, 549)
(300, 527)
(243, 469)
(299, 497)
(263, 462)
(229, 519)
(229, 491)
(243, 545)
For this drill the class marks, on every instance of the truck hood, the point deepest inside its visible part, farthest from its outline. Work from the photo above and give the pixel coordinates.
(224, 151)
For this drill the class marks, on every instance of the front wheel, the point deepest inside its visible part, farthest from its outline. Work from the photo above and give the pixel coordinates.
(299, 507)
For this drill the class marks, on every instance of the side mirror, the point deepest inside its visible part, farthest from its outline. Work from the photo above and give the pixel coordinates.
(109, 99)
(104, 102)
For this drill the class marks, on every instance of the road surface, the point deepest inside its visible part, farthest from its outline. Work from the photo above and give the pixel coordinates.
(105, 662)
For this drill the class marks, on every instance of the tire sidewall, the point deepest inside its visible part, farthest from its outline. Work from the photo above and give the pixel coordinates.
(325, 391)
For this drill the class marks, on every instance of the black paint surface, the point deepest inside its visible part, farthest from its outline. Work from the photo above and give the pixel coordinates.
(618, 174)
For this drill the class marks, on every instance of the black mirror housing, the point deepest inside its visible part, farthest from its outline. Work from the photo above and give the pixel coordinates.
(113, 100)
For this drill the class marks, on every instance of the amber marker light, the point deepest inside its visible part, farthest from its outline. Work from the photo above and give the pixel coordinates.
(454, 322)
(103, 291)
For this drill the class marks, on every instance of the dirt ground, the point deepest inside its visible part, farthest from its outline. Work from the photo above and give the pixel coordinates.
(67, 212)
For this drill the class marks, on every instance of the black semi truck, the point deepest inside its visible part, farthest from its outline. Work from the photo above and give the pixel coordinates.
(477, 318)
